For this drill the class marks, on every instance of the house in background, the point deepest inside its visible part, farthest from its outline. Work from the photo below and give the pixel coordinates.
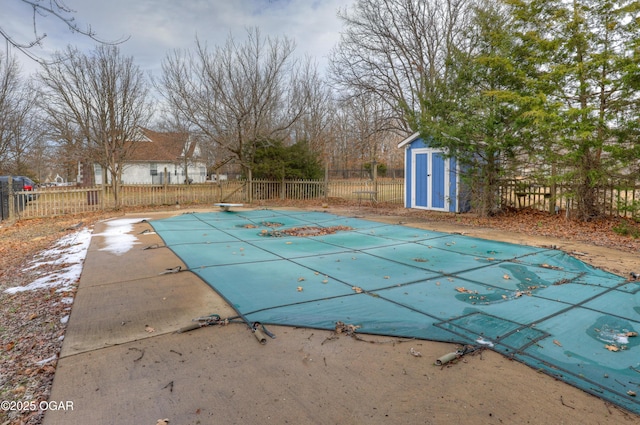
(432, 180)
(155, 152)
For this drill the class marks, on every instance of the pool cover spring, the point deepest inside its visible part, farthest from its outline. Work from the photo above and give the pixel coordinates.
(539, 306)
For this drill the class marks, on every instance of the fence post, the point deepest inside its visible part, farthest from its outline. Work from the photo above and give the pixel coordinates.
(374, 165)
(553, 191)
(326, 181)
(12, 201)
(282, 189)
(249, 194)
(165, 182)
(103, 198)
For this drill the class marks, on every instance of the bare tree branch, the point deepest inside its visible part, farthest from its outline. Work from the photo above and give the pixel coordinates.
(240, 94)
(57, 11)
(103, 99)
(398, 50)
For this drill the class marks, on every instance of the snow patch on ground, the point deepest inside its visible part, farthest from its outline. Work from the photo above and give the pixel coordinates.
(118, 239)
(69, 252)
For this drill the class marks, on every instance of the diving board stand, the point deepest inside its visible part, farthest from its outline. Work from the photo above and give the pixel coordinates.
(225, 206)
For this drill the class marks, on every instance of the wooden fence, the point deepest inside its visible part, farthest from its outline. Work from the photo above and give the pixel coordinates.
(57, 201)
(616, 199)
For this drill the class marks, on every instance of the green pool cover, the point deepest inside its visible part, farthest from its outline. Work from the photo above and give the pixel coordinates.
(538, 306)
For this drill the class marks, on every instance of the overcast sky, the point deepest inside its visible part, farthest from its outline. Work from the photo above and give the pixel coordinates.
(155, 27)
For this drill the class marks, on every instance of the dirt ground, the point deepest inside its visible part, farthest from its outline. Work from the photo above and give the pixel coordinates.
(222, 375)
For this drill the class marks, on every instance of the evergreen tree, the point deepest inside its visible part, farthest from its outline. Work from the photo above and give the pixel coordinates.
(484, 118)
(275, 161)
(586, 53)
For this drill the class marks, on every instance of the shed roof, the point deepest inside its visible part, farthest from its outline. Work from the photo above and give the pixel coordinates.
(410, 139)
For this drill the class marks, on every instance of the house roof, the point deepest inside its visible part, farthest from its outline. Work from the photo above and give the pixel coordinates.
(160, 147)
(410, 139)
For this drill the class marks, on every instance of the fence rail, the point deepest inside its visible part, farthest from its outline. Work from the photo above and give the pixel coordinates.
(620, 199)
(55, 201)
(615, 199)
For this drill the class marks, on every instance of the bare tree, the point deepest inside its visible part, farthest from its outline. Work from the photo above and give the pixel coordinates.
(367, 115)
(9, 83)
(17, 125)
(55, 11)
(26, 134)
(315, 125)
(102, 99)
(241, 94)
(399, 51)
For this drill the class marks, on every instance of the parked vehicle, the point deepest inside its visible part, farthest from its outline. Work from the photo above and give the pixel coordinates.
(21, 183)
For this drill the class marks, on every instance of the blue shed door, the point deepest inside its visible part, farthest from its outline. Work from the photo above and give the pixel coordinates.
(430, 180)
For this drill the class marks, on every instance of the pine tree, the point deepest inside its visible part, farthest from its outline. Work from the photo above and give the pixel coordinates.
(483, 120)
(585, 52)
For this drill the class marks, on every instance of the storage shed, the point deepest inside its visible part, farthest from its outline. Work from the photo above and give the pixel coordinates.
(432, 180)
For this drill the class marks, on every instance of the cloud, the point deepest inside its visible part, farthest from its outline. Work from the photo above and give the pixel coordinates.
(155, 27)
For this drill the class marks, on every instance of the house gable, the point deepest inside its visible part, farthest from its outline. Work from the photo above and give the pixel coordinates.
(160, 147)
(158, 158)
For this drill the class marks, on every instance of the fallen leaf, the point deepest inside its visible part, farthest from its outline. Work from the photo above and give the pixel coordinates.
(556, 342)
(348, 329)
(464, 290)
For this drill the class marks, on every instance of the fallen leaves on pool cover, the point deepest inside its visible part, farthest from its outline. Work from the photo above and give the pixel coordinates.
(305, 231)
